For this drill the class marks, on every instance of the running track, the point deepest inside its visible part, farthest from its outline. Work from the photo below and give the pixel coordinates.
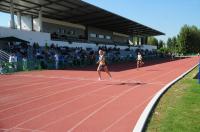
(75, 101)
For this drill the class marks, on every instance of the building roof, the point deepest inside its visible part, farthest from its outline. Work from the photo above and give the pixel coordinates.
(80, 12)
(13, 39)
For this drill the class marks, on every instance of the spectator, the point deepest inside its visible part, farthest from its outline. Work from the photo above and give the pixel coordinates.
(38, 55)
(24, 61)
(56, 57)
(1, 69)
(13, 61)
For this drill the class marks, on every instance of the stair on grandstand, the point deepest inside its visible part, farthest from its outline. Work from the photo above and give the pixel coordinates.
(4, 57)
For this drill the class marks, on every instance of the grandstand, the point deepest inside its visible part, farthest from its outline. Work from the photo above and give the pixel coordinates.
(67, 21)
(73, 24)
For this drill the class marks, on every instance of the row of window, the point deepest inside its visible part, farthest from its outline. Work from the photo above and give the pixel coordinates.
(63, 31)
(93, 35)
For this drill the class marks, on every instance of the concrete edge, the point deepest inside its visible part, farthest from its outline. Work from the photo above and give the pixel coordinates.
(145, 114)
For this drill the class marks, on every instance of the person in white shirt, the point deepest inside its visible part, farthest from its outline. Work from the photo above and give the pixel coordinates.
(13, 61)
(11, 58)
(139, 60)
(56, 60)
(24, 60)
(1, 69)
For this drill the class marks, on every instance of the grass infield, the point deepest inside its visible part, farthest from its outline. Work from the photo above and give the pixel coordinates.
(179, 108)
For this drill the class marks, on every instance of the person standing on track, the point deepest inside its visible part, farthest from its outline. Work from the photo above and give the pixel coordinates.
(139, 60)
(102, 64)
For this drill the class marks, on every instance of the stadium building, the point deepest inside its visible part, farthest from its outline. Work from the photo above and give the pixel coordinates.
(72, 23)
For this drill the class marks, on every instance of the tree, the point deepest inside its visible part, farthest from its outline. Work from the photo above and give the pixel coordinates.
(170, 44)
(189, 39)
(160, 44)
(152, 41)
(174, 45)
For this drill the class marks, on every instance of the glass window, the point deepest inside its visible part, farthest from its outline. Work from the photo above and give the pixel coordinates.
(63, 31)
(93, 35)
(71, 32)
(59, 30)
(101, 36)
(108, 37)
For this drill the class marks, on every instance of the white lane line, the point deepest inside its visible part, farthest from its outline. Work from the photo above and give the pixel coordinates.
(59, 106)
(63, 100)
(26, 92)
(95, 80)
(33, 97)
(24, 129)
(26, 85)
(126, 114)
(72, 88)
(100, 108)
(74, 113)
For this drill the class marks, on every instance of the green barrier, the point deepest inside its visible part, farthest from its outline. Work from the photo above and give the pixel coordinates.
(29, 65)
(20, 66)
(7, 67)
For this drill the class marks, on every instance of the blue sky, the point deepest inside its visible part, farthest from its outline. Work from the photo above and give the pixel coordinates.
(167, 16)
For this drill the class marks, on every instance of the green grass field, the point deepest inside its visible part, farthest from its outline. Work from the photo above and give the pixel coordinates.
(179, 109)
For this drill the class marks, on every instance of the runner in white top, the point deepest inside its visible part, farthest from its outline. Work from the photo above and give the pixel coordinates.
(139, 60)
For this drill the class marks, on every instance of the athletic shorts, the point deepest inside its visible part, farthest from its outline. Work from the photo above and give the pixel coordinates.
(101, 67)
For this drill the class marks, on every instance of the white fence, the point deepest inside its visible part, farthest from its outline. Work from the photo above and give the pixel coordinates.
(30, 36)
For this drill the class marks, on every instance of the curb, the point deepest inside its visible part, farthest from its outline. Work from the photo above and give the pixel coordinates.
(145, 114)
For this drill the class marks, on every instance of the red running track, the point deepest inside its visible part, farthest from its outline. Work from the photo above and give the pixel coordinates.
(60, 101)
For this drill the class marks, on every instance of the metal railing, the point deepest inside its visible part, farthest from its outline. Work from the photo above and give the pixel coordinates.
(40, 64)
(4, 57)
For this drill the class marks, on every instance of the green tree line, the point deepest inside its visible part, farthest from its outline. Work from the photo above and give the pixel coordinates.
(186, 42)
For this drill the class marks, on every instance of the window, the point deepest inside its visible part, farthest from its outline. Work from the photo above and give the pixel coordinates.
(59, 30)
(71, 32)
(101, 36)
(93, 35)
(63, 31)
(108, 37)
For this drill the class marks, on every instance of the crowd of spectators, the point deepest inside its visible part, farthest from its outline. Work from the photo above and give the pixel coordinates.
(61, 57)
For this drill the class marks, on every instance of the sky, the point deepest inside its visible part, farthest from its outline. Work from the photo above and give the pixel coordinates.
(167, 16)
